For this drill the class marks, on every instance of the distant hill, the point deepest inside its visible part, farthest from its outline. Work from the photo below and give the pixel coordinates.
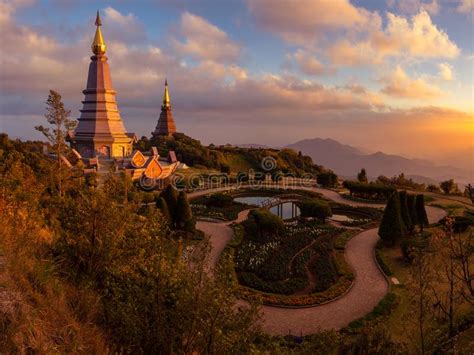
(346, 161)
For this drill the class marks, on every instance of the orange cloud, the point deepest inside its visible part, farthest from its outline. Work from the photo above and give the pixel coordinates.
(300, 20)
(398, 84)
(417, 38)
(309, 64)
(446, 71)
(205, 41)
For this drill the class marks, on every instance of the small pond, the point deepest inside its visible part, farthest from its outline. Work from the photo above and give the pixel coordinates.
(286, 212)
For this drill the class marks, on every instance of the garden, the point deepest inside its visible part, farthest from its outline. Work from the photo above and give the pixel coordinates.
(294, 263)
(220, 206)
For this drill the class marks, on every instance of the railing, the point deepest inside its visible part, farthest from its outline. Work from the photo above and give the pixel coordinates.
(277, 200)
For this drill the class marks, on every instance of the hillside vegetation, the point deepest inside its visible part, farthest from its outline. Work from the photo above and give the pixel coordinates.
(230, 159)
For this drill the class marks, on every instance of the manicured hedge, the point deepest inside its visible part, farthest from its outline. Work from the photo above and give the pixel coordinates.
(286, 287)
(315, 208)
(368, 190)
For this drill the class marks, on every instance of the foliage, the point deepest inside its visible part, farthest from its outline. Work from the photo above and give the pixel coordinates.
(447, 186)
(411, 205)
(327, 179)
(362, 176)
(58, 117)
(163, 207)
(421, 215)
(315, 208)
(369, 191)
(405, 212)
(385, 306)
(277, 268)
(392, 228)
(170, 195)
(184, 216)
(230, 159)
(219, 200)
(262, 225)
(400, 182)
(433, 188)
(460, 224)
(217, 207)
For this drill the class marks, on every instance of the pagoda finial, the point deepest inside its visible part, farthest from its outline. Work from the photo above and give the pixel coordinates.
(166, 96)
(98, 45)
(98, 21)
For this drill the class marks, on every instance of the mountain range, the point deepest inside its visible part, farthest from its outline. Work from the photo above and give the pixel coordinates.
(347, 161)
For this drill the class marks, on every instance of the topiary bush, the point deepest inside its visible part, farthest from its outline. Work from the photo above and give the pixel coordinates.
(315, 208)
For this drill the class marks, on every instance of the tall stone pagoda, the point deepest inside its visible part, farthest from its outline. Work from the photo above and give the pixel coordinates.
(166, 125)
(100, 131)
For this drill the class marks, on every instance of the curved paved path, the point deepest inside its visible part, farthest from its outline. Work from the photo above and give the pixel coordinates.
(369, 286)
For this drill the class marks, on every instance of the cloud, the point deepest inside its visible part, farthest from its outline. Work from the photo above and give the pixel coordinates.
(414, 6)
(210, 93)
(301, 20)
(399, 84)
(465, 6)
(345, 53)
(115, 16)
(308, 64)
(204, 41)
(123, 28)
(446, 71)
(417, 38)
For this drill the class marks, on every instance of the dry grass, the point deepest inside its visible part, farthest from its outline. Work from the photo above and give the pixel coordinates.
(399, 321)
(39, 312)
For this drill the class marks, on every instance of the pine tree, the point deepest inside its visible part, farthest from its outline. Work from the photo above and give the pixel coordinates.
(170, 195)
(411, 203)
(163, 207)
(58, 117)
(421, 212)
(392, 228)
(184, 215)
(404, 210)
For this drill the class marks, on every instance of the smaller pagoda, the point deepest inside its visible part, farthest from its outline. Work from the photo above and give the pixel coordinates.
(166, 125)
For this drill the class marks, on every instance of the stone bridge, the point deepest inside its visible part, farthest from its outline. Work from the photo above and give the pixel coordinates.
(279, 199)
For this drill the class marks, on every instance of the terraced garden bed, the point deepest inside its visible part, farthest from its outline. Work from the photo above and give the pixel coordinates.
(303, 267)
(218, 206)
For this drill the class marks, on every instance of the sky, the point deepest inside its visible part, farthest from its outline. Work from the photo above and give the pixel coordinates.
(386, 75)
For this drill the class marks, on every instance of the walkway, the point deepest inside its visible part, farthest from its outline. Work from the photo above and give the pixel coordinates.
(368, 289)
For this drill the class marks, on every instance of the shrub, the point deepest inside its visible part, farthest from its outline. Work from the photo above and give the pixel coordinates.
(170, 194)
(411, 204)
(163, 207)
(392, 228)
(262, 225)
(315, 208)
(421, 215)
(404, 210)
(219, 200)
(368, 191)
(327, 179)
(362, 176)
(184, 216)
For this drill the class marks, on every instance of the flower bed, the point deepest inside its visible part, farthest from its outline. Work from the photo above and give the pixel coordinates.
(227, 212)
(334, 281)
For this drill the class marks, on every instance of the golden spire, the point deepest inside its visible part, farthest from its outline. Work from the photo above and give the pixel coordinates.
(166, 96)
(98, 45)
